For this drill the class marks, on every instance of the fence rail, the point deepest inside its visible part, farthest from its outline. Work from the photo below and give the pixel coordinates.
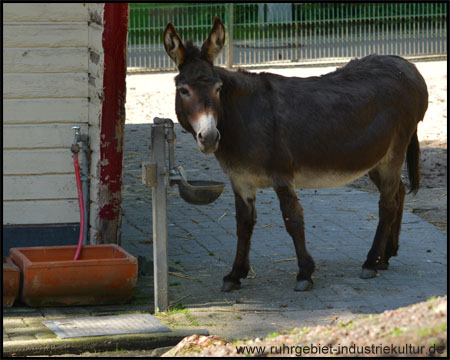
(283, 33)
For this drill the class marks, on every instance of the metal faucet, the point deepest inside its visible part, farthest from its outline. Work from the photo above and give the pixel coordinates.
(75, 148)
(78, 136)
(174, 174)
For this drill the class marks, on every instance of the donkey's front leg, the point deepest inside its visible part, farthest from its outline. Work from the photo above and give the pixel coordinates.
(245, 197)
(293, 220)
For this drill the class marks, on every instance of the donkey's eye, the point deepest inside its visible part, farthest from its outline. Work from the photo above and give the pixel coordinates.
(219, 89)
(183, 91)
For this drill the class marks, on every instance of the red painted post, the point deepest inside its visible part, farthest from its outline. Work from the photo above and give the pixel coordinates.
(113, 120)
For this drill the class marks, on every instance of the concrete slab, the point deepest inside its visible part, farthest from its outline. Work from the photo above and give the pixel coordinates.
(105, 325)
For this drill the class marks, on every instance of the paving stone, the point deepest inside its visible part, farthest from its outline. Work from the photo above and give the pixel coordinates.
(45, 335)
(33, 321)
(21, 334)
(13, 323)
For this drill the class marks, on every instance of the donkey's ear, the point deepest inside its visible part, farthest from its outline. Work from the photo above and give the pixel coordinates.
(173, 44)
(213, 45)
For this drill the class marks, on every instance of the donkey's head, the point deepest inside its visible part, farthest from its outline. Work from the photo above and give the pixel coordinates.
(198, 85)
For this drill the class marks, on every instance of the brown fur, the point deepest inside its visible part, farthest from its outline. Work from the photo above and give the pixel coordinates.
(290, 132)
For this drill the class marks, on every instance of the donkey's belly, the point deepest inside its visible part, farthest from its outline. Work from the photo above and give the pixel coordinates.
(315, 179)
(305, 179)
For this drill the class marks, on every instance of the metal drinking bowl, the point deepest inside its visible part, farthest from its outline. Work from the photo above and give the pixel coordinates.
(200, 192)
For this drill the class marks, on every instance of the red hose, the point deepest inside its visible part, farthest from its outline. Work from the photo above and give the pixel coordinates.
(81, 203)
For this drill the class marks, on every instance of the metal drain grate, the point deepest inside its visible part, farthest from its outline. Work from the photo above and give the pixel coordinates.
(105, 325)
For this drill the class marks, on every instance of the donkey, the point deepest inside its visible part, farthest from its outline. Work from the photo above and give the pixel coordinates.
(268, 130)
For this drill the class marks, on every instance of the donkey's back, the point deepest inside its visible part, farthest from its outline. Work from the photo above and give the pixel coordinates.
(364, 86)
(361, 88)
(325, 131)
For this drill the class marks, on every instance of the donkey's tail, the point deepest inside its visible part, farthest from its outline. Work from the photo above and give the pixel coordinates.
(413, 163)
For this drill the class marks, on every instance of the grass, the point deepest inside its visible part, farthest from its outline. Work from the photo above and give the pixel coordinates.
(429, 331)
(191, 318)
(176, 309)
(179, 308)
(119, 350)
(303, 331)
(346, 325)
(272, 335)
(397, 331)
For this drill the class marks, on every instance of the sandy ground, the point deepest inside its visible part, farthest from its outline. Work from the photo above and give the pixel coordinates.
(153, 95)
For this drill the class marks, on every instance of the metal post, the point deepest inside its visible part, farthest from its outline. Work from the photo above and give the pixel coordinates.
(230, 37)
(159, 208)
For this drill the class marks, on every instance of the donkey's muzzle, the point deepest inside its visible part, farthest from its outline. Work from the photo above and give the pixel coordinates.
(208, 141)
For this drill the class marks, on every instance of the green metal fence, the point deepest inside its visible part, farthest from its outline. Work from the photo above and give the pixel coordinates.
(266, 33)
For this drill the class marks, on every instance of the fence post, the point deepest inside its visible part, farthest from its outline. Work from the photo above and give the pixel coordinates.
(229, 54)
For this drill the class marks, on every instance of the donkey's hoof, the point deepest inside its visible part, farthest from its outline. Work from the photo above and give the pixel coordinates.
(228, 286)
(382, 266)
(303, 285)
(368, 273)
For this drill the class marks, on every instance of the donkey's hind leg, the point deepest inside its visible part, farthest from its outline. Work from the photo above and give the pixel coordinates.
(293, 219)
(245, 196)
(392, 192)
(392, 241)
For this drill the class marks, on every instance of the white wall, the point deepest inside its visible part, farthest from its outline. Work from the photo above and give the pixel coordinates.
(52, 80)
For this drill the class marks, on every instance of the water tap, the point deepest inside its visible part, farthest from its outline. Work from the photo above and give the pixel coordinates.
(75, 148)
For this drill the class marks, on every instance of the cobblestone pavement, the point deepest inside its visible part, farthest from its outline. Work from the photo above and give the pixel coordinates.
(340, 225)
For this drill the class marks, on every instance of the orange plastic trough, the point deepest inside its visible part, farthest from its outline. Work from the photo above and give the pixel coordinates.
(103, 274)
(11, 282)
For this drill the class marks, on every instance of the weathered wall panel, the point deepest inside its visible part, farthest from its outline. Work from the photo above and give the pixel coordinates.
(53, 66)
(96, 96)
(95, 37)
(20, 86)
(32, 60)
(42, 136)
(37, 187)
(23, 35)
(35, 161)
(16, 111)
(39, 12)
(40, 212)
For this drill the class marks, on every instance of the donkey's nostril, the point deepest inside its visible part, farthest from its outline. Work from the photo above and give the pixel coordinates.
(200, 136)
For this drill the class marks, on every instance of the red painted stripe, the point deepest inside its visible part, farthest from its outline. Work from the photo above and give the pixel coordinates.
(113, 108)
